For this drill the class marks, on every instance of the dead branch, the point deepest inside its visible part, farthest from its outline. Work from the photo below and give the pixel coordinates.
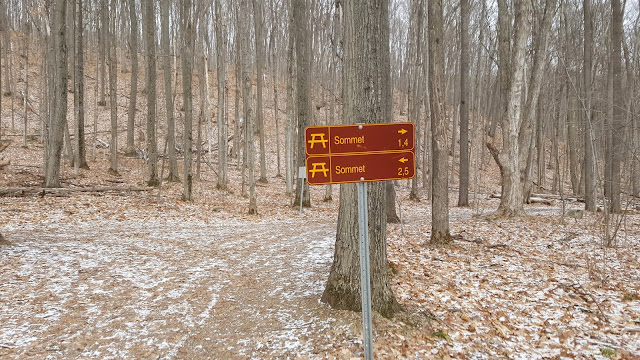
(495, 246)
(39, 191)
(585, 295)
(3, 146)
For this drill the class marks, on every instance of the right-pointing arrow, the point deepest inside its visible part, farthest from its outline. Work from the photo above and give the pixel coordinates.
(403, 160)
(402, 131)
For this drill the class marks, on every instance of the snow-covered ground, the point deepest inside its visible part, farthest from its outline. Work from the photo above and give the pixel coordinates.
(136, 277)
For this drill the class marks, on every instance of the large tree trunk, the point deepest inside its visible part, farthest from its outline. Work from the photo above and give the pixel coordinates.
(131, 117)
(440, 183)
(303, 87)
(187, 27)
(149, 19)
(367, 100)
(512, 64)
(463, 191)
(59, 106)
(221, 51)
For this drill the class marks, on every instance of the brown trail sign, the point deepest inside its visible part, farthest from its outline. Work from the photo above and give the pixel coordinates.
(354, 153)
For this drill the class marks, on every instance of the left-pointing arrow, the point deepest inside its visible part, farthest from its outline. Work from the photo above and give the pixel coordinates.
(403, 160)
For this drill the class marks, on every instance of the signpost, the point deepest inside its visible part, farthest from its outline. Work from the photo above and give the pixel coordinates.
(360, 153)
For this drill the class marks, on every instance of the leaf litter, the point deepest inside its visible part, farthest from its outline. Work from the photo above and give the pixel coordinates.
(123, 274)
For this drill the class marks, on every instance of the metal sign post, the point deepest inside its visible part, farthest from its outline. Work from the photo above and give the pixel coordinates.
(365, 277)
(302, 174)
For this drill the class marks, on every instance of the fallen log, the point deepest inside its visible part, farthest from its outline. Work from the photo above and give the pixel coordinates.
(4, 163)
(40, 191)
(539, 198)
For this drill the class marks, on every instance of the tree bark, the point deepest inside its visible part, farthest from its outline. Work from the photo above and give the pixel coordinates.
(392, 214)
(149, 19)
(289, 150)
(259, 40)
(367, 100)
(618, 106)
(463, 189)
(59, 106)
(113, 87)
(187, 29)
(512, 64)
(589, 149)
(274, 77)
(104, 34)
(440, 184)
(221, 51)
(528, 127)
(131, 116)
(247, 99)
(79, 88)
(303, 87)
(168, 94)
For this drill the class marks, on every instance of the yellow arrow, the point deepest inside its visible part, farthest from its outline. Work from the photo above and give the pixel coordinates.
(402, 131)
(403, 160)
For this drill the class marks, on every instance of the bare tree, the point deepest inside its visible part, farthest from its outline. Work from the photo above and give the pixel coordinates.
(247, 106)
(133, 44)
(289, 139)
(589, 150)
(367, 94)
(617, 150)
(511, 67)
(168, 94)
(113, 87)
(104, 34)
(525, 137)
(58, 107)
(187, 29)
(221, 50)
(149, 19)
(440, 184)
(463, 191)
(303, 86)
(81, 154)
(258, 20)
(414, 83)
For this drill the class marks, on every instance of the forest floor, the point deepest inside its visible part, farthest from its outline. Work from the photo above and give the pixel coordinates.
(142, 274)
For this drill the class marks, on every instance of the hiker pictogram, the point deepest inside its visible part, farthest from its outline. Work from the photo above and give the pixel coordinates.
(319, 167)
(321, 140)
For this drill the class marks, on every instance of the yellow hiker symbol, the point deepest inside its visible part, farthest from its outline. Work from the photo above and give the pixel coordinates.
(319, 167)
(314, 139)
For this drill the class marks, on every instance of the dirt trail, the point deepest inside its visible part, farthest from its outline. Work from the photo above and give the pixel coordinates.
(165, 288)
